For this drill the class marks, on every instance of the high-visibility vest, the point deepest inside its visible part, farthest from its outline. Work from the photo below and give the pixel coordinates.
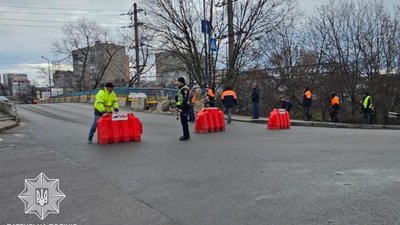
(365, 103)
(308, 94)
(335, 100)
(210, 93)
(228, 93)
(105, 101)
(180, 96)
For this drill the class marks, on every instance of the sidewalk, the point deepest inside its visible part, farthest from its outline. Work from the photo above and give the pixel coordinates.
(7, 124)
(317, 124)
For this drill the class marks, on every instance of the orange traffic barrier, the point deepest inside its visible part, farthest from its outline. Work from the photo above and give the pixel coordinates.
(209, 120)
(118, 128)
(278, 119)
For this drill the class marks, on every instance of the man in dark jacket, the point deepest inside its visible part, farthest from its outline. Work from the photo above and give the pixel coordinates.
(307, 100)
(286, 104)
(229, 99)
(255, 99)
(182, 104)
(335, 105)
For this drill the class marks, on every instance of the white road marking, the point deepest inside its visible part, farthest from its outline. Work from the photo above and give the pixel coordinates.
(20, 135)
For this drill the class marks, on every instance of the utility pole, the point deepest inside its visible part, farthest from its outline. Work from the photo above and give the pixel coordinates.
(135, 24)
(205, 45)
(134, 11)
(231, 36)
(211, 58)
(231, 39)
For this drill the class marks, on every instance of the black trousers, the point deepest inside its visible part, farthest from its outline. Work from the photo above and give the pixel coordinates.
(184, 122)
(334, 116)
(367, 116)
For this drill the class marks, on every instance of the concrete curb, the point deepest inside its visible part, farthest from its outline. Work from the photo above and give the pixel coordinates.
(324, 124)
(295, 122)
(7, 127)
(303, 123)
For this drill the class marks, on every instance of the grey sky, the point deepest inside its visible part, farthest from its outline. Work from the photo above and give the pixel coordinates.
(23, 41)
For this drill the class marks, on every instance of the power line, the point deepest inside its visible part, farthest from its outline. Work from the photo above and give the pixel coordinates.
(48, 26)
(68, 14)
(46, 21)
(26, 25)
(63, 9)
(51, 21)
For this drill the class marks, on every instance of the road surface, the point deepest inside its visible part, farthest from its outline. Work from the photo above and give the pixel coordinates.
(245, 175)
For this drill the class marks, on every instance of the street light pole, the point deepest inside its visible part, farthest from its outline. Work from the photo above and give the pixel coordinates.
(48, 70)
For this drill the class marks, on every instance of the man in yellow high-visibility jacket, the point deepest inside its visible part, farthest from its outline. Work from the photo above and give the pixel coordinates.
(106, 102)
(182, 105)
(367, 108)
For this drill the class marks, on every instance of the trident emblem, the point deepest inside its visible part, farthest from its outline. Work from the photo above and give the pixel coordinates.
(42, 196)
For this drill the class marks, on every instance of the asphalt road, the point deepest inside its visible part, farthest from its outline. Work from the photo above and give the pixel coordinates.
(245, 175)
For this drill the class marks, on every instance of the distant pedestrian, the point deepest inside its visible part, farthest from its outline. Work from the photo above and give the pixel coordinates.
(229, 100)
(335, 104)
(192, 97)
(211, 96)
(255, 100)
(367, 108)
(106, 102)
(307, 100)
(286, 104)
(182, 104)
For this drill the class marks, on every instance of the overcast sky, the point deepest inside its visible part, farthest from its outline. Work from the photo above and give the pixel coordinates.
(27, 27)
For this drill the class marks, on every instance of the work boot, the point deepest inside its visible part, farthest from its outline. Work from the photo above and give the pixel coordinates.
(184, 138)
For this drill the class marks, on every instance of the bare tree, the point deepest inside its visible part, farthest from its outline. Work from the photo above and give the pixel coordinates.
(177, 22)
(103, 62)
(79, 35)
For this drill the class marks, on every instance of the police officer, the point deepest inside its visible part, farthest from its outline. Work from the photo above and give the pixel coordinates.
(182, 104)
(106, 102)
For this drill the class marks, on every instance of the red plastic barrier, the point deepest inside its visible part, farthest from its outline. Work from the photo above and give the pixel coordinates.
(279, 119)
(118, 128)
(210, 120)
(201, 124)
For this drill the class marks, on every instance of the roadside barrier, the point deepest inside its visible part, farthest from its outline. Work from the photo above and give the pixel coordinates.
(210, 120)
(279, 119)
(115, 128)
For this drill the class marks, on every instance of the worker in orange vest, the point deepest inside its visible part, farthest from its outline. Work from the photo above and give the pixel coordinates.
(307, 100)
(334, 107)
(229, 99)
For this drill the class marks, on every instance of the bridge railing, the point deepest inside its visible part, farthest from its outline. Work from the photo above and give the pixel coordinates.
(154, 96)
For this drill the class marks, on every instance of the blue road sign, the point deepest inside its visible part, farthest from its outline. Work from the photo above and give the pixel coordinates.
(206, 26)
(212, 43)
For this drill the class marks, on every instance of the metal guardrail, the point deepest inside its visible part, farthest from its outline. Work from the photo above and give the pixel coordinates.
(394, 115)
